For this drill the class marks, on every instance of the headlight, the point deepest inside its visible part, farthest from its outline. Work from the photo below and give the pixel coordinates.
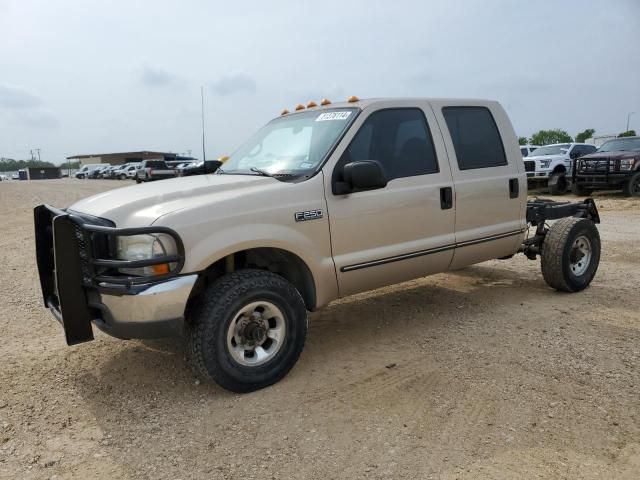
(627, 163)
(545, 163)
(144, 247)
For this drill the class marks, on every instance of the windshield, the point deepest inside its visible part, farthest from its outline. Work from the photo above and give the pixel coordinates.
(291, 145)
(623, 144)
(551, 150)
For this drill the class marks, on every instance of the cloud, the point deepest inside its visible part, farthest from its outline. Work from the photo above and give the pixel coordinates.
(17, 98)
(231, 84)
(157, 77)
(39, 118)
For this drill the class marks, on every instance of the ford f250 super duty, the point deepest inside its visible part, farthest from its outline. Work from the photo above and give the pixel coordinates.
(323, 202)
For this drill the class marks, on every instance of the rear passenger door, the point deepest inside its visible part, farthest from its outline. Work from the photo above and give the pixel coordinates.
(404, 230)
(490, 182)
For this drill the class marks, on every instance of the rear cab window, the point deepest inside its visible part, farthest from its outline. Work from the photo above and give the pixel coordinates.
(475, 136)
(155, 164)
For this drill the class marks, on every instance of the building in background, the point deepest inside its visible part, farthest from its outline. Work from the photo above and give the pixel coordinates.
(126, 157)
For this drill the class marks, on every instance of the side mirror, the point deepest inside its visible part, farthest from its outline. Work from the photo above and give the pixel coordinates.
(361, 175)
(211, 166)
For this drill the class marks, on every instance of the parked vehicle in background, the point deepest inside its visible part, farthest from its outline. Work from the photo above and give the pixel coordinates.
(552, 165)
(132, 173)
(108, 173)
(97, 173)
(4, 178)
(526, 150)
(319, 204)
(85, 170)
(154, 170)
(123, 172)
(615, 165)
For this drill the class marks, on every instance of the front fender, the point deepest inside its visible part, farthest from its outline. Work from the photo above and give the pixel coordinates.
(313, 249)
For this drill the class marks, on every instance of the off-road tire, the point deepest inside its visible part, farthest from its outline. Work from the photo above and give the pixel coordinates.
(632, 186)
(561, 186)
(556, 254)
(214, 310)
(580, 190)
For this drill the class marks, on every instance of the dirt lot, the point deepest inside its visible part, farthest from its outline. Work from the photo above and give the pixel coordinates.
(495, 376)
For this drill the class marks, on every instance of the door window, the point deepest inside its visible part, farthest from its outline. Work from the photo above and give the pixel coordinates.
(399, 139)
(475, 137)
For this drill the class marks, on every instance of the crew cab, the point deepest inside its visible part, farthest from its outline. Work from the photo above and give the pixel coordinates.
(552, 165)
(615, 165)
(323, 202)
(154, 170)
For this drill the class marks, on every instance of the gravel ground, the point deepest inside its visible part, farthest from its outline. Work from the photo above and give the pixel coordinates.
(480, 373)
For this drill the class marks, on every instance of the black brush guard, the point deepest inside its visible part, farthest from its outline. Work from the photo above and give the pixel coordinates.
(69, 253)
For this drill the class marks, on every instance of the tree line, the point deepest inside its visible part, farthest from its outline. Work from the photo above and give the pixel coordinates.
(557, 135)
(11, 165)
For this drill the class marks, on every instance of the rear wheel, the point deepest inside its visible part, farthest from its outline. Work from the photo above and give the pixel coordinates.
(632, 186)
(247, 330)
(570, 254)
(558, 184)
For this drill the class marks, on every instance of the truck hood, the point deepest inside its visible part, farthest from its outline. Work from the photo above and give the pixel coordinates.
(141, 205)
(546, 157)
(617, 155)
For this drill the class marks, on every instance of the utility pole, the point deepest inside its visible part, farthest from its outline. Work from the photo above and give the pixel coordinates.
(38, 150)
(202, 105)
(32, 157)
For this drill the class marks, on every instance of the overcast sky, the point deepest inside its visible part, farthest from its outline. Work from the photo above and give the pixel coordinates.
(79, 76)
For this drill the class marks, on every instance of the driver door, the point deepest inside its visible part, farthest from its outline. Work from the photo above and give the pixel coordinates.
(406, 229)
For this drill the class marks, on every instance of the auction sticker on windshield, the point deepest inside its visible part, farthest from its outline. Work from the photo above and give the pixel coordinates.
(323, 117)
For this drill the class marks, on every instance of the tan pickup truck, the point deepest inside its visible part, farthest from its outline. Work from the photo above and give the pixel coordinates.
(322, 202)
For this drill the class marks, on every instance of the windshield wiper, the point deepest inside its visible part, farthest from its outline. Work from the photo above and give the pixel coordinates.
(262, 172)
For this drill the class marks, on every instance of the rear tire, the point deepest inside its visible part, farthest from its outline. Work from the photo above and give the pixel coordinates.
(570, 254)
(580, 190)
(560, 185)
(632, 186)
(247, 330)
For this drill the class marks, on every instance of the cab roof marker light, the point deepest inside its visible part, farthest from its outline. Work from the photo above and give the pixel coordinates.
(325, 101)
(284, 112)
(311, 104)
(353, 99)
(299, 107)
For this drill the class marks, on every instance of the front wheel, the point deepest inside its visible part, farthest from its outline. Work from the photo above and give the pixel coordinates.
(632, 186)
(570, 254)
(558, 184)
(247, 330)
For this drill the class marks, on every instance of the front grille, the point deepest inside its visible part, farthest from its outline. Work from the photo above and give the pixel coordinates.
(529, 166)
(84, 256)
(596, 166)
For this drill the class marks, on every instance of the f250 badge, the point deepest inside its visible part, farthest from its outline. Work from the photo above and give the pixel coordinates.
(308, 215)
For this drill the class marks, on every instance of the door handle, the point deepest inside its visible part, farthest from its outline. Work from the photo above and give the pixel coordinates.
(446, 198)
(514, 188)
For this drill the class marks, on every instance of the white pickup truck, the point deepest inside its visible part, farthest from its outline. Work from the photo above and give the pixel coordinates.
(552, 165)
(323, 202)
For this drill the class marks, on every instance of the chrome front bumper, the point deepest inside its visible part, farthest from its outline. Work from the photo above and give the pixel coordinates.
(152, 312)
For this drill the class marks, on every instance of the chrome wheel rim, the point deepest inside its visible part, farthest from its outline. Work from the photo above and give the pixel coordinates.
(581, 253)
(256, 333)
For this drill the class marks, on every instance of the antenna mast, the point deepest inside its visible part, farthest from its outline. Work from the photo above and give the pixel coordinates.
(202, 105)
